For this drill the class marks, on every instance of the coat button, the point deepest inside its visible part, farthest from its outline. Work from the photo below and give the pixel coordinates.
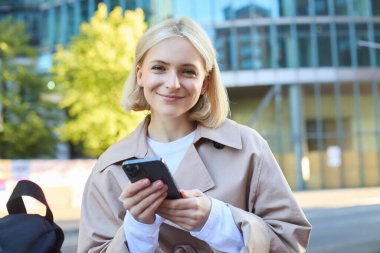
(217, 145)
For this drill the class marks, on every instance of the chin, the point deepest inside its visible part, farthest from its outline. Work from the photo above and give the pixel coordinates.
(172, 115)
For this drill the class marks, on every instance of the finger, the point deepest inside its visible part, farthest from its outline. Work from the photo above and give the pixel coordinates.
(187, 224)
(193, 213)
(148, 192)
(152, 208)
(135, 187)
(193, 217)
(180, 204)
(148, 205)
(144, 212)
(150, 198)
(191, 193)
(148, 215)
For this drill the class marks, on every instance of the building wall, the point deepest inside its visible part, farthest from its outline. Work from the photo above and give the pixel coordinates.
(304, 73)
(358, 159)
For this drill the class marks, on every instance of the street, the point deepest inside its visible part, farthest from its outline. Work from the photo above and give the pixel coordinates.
(345, 230)
(335, 230)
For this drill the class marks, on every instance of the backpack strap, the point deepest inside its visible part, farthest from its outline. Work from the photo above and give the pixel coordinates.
(60, 238)
(15, 203)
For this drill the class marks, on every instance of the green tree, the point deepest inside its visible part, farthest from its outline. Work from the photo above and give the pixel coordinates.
(92, 71)
(26, 118)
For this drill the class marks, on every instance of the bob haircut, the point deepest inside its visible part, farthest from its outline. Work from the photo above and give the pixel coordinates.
(212, 107)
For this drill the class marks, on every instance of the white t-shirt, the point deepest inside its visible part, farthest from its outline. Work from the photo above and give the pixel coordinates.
(172, 152)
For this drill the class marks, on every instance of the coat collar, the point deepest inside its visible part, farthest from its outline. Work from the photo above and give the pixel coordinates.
(135, 144)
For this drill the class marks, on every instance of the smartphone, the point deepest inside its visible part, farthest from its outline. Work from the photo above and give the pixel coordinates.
(154, 169)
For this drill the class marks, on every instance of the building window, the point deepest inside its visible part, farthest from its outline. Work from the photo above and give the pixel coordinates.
(286, 47)
(329, 133)
(131, 4)
(302, 7)
(113, 4)
(324, 45)
(286, 8)
(377, 40)
(33, 29)
(343, 41)
(223, 47)
(361, 8)
(71, 25)
(44, 29)
(57, 25)
(340, 7)
(244, 48)
(375, 7)
(241, 9)
(321, 8)
(304, 46)
(266, 9)
(262, 48)
(84, 11)
(363, 52)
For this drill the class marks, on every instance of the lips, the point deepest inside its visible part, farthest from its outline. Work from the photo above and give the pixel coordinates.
(170, 96)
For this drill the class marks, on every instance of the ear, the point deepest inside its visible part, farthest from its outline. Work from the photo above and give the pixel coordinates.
(205, 85)
(139, 75)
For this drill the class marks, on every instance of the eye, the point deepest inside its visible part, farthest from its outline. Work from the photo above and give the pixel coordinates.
(189, 72)
(158, 68)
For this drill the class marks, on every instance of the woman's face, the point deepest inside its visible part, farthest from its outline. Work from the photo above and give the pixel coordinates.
(173, 77)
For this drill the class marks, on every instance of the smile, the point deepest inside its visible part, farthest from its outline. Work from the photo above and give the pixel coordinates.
(170, 97)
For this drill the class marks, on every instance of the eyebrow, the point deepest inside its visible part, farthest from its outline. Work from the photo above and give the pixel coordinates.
(166, 63)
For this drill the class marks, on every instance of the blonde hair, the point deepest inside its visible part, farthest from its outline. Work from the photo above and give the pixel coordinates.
(212, 107)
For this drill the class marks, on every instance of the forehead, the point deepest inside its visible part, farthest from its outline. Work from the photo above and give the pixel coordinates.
(177, 50)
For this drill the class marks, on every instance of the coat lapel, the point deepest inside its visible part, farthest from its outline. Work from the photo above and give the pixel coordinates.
(132, 146)
(192, 173)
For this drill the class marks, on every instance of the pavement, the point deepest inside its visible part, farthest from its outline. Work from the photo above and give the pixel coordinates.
(335, 198)
(332, 198)
(343, 220)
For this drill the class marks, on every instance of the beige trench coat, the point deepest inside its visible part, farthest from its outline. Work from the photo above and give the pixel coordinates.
(232, 163)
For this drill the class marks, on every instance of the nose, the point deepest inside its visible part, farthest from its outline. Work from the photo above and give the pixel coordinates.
(172, 82)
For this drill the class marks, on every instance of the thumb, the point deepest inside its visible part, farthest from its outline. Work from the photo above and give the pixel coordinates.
(191, 193)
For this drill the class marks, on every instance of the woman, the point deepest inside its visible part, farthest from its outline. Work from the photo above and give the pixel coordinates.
(235, 197)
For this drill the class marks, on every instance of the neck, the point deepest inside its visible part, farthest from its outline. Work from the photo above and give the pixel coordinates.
(167, 130)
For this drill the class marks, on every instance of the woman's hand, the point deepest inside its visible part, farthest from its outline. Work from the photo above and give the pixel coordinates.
(191, 212)
(142, 199)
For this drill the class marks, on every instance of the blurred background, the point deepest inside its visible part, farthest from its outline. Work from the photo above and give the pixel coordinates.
(304, 73)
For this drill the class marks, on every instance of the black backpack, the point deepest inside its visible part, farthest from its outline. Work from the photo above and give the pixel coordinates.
(21, 232)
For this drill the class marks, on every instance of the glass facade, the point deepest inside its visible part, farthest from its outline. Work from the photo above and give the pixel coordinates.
(313, 27)
(304, 73)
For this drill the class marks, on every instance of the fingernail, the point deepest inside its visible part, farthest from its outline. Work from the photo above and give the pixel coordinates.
(158, 183)
(146, 181)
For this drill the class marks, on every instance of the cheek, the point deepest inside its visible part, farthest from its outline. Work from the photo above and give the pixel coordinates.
(152, 81)
(195, 88)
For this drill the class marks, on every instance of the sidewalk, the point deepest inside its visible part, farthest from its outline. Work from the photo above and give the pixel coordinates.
(338, 197)
(69, 219)
(322, 207)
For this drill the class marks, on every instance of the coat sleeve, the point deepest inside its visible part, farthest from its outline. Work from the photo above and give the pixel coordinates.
(101, 221)
(275, 222)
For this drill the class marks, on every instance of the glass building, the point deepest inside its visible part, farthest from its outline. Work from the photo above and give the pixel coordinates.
(304, 73)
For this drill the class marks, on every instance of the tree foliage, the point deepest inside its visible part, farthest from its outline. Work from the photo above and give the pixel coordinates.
(92, 72)
(26, 118)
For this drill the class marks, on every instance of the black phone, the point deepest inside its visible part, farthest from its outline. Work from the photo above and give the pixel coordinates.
(154, 169)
